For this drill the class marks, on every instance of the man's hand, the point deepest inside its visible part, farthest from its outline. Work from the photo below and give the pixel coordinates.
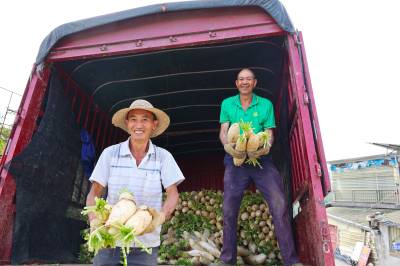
(171, 201)
(158, 219)
(94, 224)
(230, 149)
(258, 153)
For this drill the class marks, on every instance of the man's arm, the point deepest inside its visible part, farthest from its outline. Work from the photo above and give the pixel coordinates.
(271, 134)
(171, 201)
(95, 191)
(223, 133)
(263, 150)
(229, 147)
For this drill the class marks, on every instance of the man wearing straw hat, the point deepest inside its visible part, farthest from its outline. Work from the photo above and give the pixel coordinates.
(141, 167)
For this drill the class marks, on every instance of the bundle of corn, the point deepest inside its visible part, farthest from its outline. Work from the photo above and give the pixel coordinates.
(121, 222)
(194, 234)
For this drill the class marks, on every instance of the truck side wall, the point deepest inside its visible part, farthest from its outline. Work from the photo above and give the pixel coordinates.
(23, 129)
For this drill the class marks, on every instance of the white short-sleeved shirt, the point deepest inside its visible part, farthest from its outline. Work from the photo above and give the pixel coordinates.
(116, 169)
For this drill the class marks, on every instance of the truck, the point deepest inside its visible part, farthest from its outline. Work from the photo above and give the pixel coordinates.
(183, 57)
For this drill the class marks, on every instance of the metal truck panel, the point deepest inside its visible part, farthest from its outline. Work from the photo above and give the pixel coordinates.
(314, 248)
(21, 134)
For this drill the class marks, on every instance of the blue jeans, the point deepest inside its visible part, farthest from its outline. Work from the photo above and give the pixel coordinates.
(269, 183)
(136, 257)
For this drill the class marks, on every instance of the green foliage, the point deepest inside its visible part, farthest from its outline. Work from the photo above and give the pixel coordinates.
(250, 199)
(101, 209)
(5, 134)
(173, 251)
(188, 222)
(184, 261)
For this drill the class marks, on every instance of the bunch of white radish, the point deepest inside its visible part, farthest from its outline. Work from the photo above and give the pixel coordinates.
(120, 223)
(256, 142)
(238, 134)
(241, 134)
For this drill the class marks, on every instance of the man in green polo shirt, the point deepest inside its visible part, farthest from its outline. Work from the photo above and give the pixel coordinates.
(248, 106)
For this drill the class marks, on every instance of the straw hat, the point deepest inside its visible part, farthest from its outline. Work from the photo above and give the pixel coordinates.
(119, 117)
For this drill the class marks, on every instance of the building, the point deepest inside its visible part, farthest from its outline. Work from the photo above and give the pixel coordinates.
(366, 207)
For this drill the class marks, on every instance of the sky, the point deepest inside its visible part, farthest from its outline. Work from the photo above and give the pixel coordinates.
(352, 51)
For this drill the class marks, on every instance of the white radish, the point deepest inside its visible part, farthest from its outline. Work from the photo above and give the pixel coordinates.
(240, 146)
(243, 252)
(198, 235)
(253, 143)
(210, 249)
(204, 261)
(195, 261)
(252, 247)
(199, 253)
(233, 133)
(193, 244)
(140, 220)
(158, 218)
(211, 242)
(256, 259)
(122, 210)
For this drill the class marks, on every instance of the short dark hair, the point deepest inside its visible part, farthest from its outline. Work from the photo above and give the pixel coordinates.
(248, 69)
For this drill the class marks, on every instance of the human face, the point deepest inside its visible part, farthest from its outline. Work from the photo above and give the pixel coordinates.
(140, 124)
(246, 82)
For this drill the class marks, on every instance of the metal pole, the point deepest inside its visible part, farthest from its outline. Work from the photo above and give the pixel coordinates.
(397, 193)
(5, 116)
(8, 108)
(10, 91)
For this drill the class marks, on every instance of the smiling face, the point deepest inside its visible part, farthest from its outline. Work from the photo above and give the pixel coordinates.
(246, 82)
(140, 124)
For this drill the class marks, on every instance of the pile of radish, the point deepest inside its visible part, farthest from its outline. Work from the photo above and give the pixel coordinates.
(120, 223)
(194, 235)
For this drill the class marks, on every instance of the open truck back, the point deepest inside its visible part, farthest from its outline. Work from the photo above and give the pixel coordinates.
(182, 57)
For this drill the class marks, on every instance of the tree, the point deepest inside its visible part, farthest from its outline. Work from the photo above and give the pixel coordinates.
(5, 134)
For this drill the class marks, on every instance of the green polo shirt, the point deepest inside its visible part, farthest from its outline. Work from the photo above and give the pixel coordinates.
(260, 112)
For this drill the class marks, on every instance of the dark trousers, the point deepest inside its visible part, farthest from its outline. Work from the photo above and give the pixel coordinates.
(136, 257)
(269, 183)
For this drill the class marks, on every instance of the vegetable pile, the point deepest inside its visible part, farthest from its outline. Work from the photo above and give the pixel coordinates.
(241, 134)
(120, 224)
(194, 235)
